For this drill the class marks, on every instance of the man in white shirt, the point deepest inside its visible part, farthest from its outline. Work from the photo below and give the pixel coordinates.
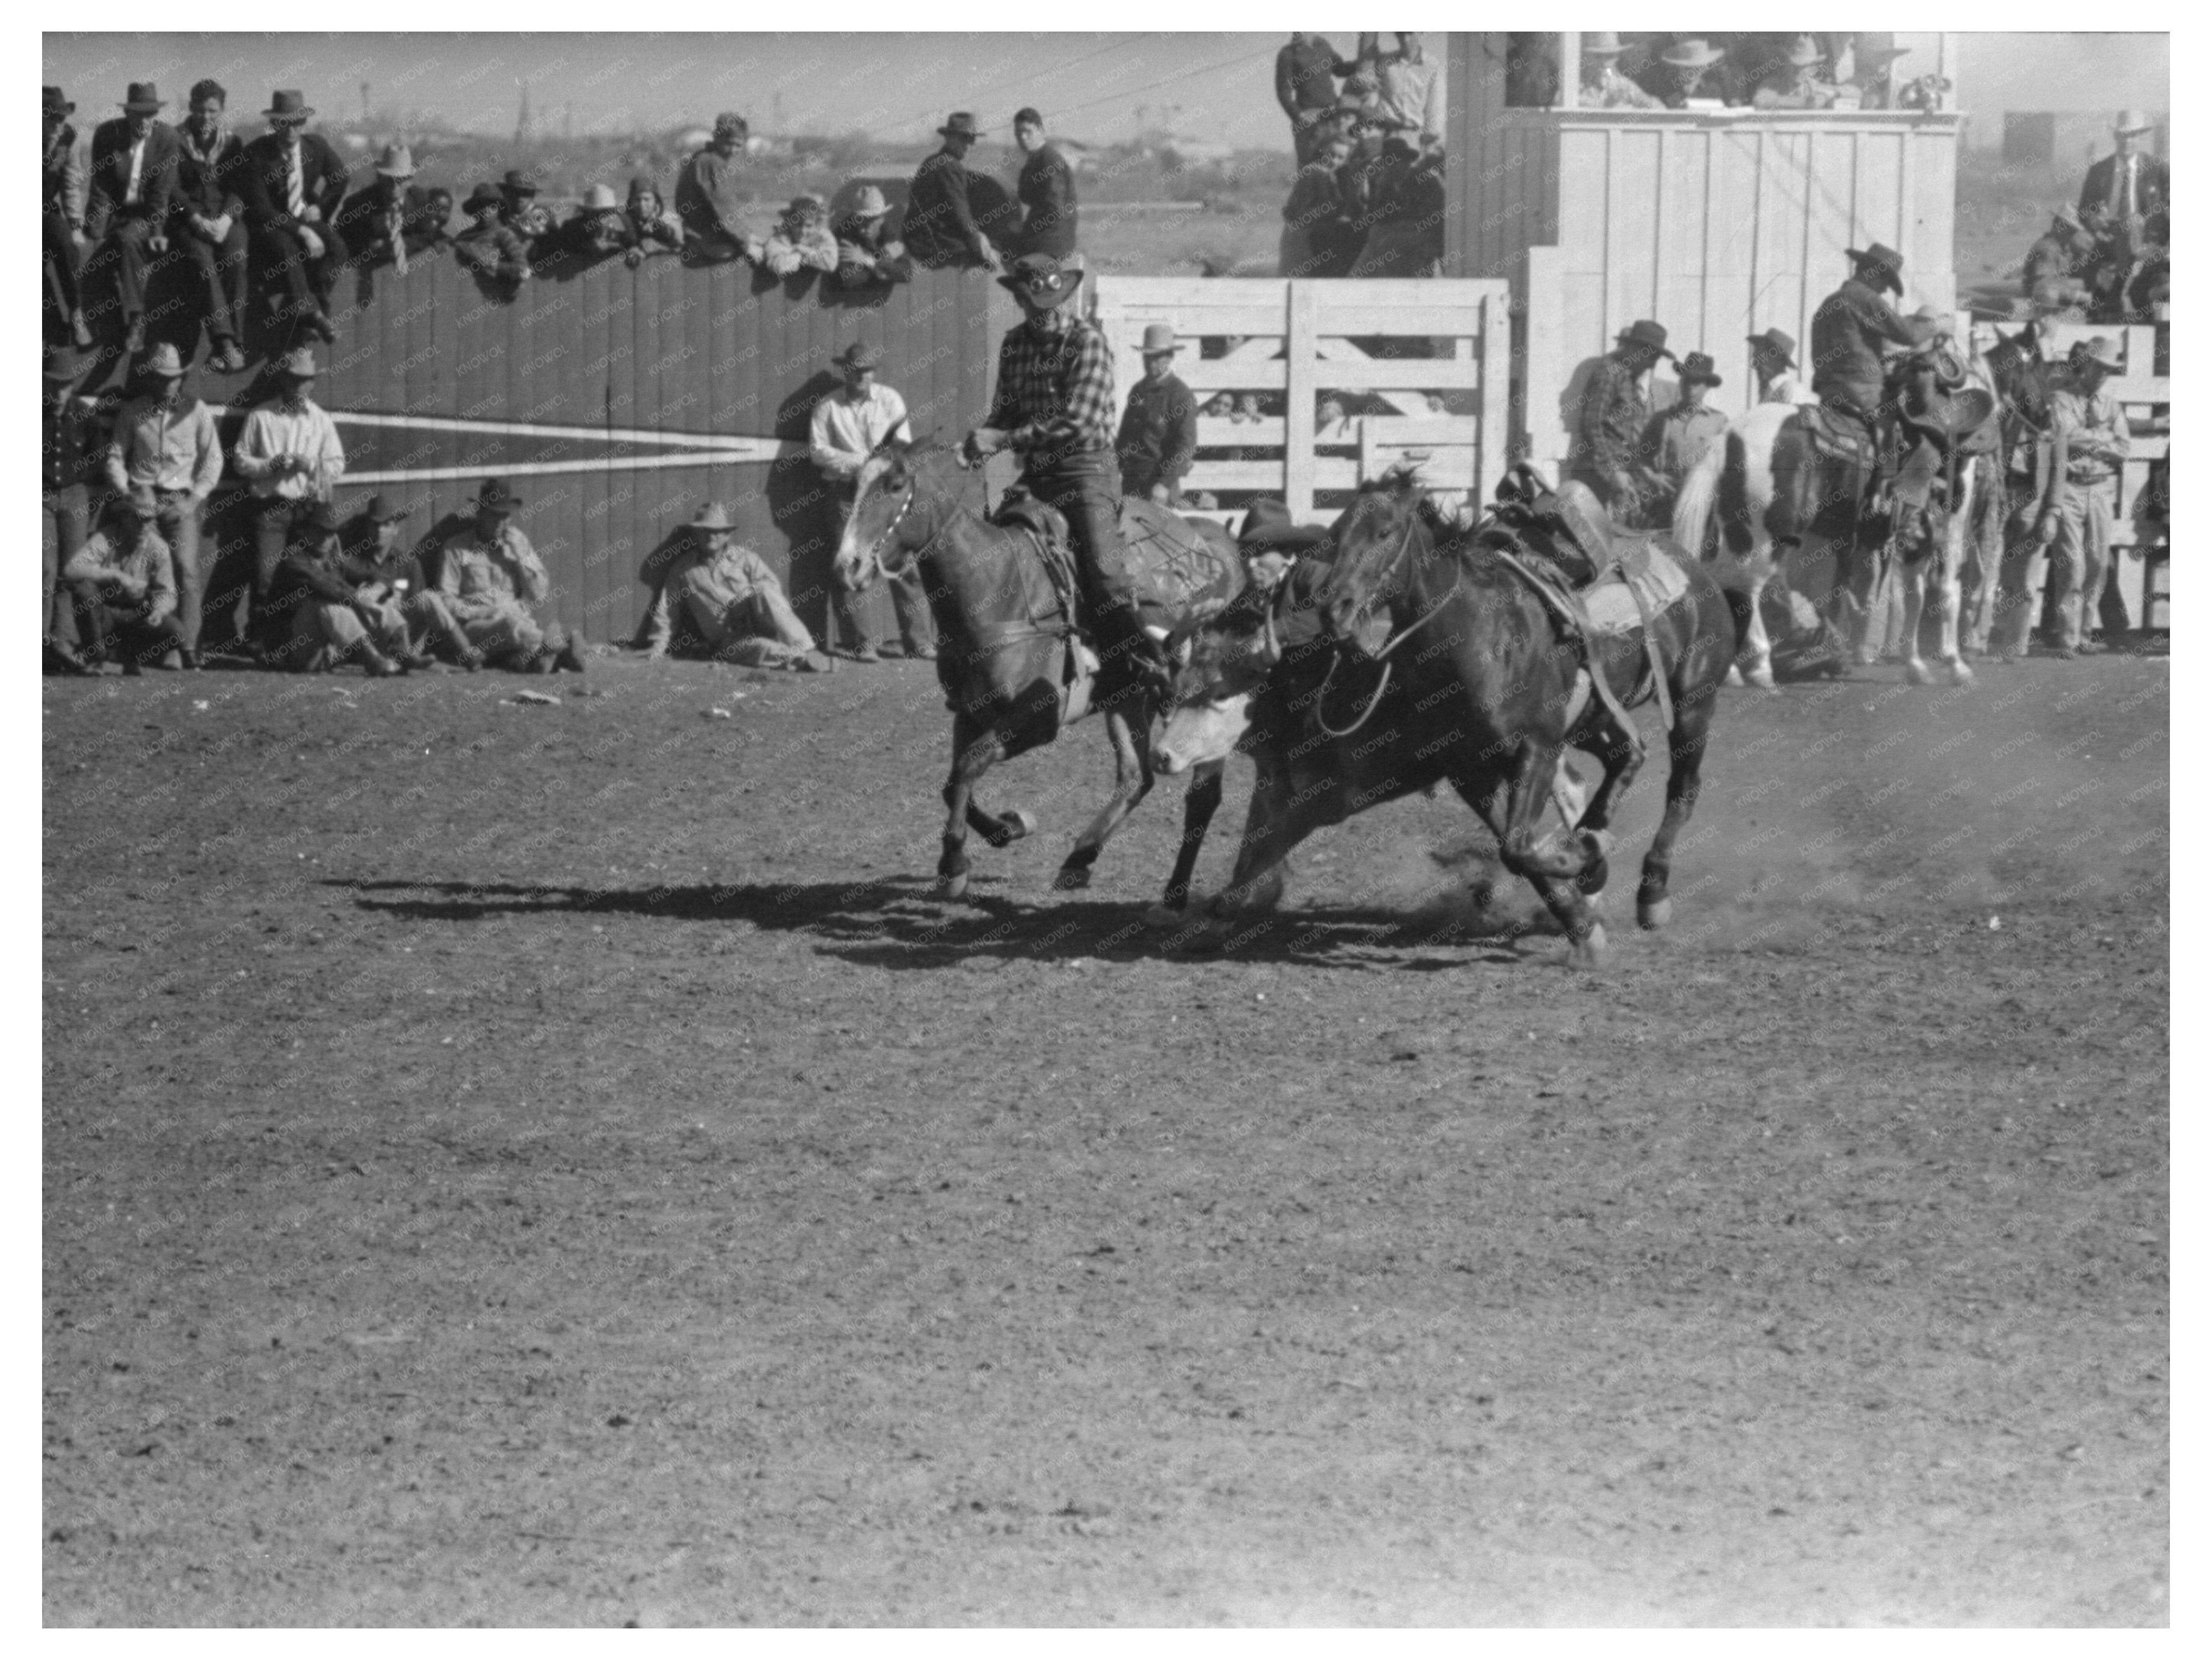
(165, 445)
(291, 454)
(1774, 367)
(849, 426)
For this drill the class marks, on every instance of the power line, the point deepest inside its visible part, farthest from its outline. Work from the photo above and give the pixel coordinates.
(1165, 80)
(895, 122)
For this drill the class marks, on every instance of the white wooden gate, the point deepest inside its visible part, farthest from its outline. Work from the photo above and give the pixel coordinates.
(1420, 367)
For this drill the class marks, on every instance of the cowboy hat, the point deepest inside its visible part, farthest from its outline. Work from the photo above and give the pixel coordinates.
(516, 182)
(297, 364)
(857, 355)
(164, 364)
(960, 124)
(1777, 342)
(1691, 54)
(138, 502)
(60, 367)
(712, 515)
(287, 107)
(1804, 52)
(600, 199)
(2129, 121)
(319, 518)
(1884, 258)
(396, 162)
(144, 98)
(57, 105)
(2098, 349)
(870, 204)
(378, 511)
(1862, 55)
(1043, 281)
(2067, 214)
(1645, 333)
(1268, 527)
(484, 196)
(494, 494)
(1698, 367)
(1160, 340)
(1602, 43)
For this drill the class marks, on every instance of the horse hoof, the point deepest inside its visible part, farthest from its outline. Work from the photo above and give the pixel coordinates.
(953, 887)
(1734, 676)
(1593, 877)
(1655, 913)
(1763, 679)
(1018, 823)
(1591, 951)
(1960, 674)
(1916, 672)
(1072, 877)
(1161, 915)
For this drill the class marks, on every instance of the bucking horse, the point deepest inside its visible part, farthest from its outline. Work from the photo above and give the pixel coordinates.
(1012, 667)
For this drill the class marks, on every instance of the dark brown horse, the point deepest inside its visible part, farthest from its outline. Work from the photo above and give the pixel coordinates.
(1003, 607)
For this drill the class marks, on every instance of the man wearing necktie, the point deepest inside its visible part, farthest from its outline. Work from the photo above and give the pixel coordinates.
(134, 175)
(295, 184)
(2126, 186)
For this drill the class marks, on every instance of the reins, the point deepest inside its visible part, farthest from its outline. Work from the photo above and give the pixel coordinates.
(1375, 699)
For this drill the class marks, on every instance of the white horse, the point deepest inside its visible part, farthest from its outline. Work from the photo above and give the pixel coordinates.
(1747, 573)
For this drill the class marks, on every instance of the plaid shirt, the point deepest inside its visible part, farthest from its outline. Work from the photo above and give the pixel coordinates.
(1056, 390)
(1614, 413)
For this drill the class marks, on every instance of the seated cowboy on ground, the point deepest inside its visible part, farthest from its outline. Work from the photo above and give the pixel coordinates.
(321, 615)
(125, 587)
(490, 577)
(372, 556)
(721, 593)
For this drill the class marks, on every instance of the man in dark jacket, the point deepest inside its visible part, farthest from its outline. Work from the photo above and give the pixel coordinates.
(292, 185)
(207, 219)
(1615, 412)
(1306, 86)
(126, 215)
(388, 222)
(2058, 261)
(325, 613)
(940, 228)
(1317, 238)
(489, 246)
(62, 207)
(2127, 184)
(1045, 191)
(1849, 329)
(1159, 438)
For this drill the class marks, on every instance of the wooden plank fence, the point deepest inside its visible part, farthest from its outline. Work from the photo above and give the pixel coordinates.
(1418, 370)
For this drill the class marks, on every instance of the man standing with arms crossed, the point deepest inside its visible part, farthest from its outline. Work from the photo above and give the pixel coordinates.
(289, 453)
(847, 427)
(165, 448)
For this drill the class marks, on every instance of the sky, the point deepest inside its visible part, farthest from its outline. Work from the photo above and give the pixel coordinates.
(1213, 86)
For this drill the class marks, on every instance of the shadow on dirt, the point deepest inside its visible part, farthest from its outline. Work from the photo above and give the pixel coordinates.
(897, 923)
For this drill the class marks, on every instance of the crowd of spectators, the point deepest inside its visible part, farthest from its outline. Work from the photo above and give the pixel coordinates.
(1368, 130)
(1763, 72)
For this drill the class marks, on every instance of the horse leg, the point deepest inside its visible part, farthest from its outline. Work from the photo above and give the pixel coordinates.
(1133, 782)
(1915, 579)
(1621, 755)
(1508, 804)
(1685, 758)
(1200, 802)
(999, 828)
(1276, 822)
(1756, 659)
(974, 750)
(1948, 577)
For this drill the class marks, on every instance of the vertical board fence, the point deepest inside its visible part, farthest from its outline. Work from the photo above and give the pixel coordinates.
(1417, 368)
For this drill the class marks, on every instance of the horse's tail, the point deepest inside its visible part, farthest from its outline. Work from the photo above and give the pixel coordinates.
(1735, 494)
(1693, 502)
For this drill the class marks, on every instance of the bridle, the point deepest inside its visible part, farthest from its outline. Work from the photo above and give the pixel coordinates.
(913, 556)
(1382, 682)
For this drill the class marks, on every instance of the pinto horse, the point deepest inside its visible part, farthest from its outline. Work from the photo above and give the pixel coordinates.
(1005, 618)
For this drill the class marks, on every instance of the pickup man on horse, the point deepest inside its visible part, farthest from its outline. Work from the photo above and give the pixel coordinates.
(1055, 408)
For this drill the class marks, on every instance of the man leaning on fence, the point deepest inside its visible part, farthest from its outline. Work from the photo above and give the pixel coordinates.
(165, 446)
(940, 228)
(710, 196)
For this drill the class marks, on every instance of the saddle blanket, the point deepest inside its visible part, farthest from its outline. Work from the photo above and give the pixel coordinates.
(1170, 568)
(1837, 436)
(1639, 570)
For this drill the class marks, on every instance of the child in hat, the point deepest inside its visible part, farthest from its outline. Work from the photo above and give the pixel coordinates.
(801, 240)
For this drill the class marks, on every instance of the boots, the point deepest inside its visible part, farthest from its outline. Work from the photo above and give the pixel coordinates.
(1129, 658)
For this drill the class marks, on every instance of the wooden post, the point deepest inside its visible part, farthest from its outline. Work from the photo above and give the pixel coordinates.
(1299, 354)
(1947, 65)
(1491, 441)
(1571, 69)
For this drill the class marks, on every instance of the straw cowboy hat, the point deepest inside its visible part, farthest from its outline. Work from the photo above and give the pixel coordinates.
(56, 104)
(600, 199)
(1602, 44)
(1780, 344)
(289, 106)
(712, 515)
(870, 204)
(1885, 259)
(144, 99)
(1804, 52)
(396, 162)
(1645, 333)
(1698, 369)
(960, 124)
(1691, 54)
(164, 364)
(2130, 121)
(1159, 341)
(297, 364)
(1044, 281)
(857, 355)
(2098, 350)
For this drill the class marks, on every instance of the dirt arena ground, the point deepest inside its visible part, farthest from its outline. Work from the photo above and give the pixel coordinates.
(518, 1165)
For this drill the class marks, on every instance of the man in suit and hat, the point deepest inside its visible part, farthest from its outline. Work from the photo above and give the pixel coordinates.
(1774, 367)
(165, 446)
(1615, 411)
(2127, 186)
(1849, 329)
(491, 577)
(125, 589)
(1679, 435)
(724, 593)
(846, 427)
(489, 246)
(1054, 406)
(290, 454)
(1683, 72)
(1045, 191)
(126, 215)
(710, 197)
(294, 186)
(1603, 85)
(1158, 439)
(62, 205)
(940, 228)
(207, 217)
(323, 613)
(867, 253)
(389, 222)
(2078, 525)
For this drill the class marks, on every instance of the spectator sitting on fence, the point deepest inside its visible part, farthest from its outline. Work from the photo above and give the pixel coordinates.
(940, 228)
(293, 184)
(1045, 191)
(321, 615)
(389, 222)
(126, 216)
(490, 577)
(597, 229)
(1317, 239)
(208, 219)
(1306, 86)
(845, 429)
(801, 239)
(125, 587)
(62, 205)
(708, 198)
(1773, 366)
(1360, 179)
(1411, 90)
(520, 211)
(372, 557)
(1603, 85)
(1874, 69)
(723, 594)
(489, 247)
(165, 445)
(652, 227)
(1794, 83)
(1158, 439)
(1406, 217)
(866, 254)
(2058, 262)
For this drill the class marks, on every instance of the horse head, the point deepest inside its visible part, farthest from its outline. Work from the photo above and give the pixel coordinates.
(1383, 539)
(900, 497)
(1221, 659)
